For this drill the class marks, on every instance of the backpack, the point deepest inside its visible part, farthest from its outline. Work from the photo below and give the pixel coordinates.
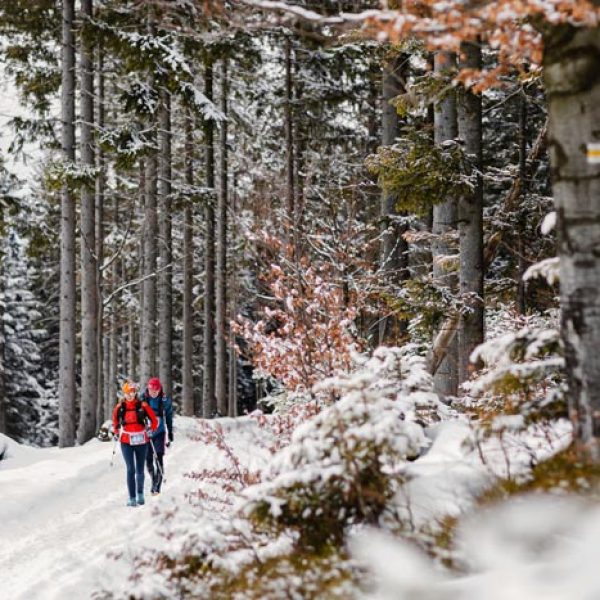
(140, 411)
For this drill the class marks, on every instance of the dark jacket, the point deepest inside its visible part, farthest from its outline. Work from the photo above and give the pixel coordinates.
(165, 416)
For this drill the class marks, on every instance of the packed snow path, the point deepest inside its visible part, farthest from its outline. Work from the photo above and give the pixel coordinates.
(63, 511)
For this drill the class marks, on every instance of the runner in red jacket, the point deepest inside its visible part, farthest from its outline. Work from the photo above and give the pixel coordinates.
(130, 424)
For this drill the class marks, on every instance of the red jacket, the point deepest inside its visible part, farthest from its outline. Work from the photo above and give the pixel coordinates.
(131, 424)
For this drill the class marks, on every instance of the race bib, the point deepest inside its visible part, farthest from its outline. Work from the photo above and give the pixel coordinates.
(137, 439)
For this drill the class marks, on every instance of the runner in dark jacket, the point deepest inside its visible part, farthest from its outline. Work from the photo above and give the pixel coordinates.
(130, 421)
(163, 435)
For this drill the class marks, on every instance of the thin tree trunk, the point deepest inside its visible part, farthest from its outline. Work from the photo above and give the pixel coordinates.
(165, 296)
(394, 249)
(67, 349)
(148, 326)
(470, 222)
(132, 344)
(521, 284)
(3, 425)
(150, 251)
(450, 326)
(103, 365)
(233, 374)
(209, 405)
(221, 274)
(571, 75)
(289, 133)
(188, 279)
(116, 267)
(89, 289)
(444, 223)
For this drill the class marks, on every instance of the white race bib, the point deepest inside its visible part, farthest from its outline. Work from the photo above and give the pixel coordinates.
(137, 439)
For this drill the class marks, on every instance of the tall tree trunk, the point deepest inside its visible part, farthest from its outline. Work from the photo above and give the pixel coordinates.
(103, 365)
(572, 80)
(233, 359)
(394, 249)
(221, 274)
(289, 133)
(113, 352)
(444, 223)
(89, 290)
(148, 325)
(165, 296)
(470, 221)
(188, 278)
(132, 344)
(67, 349)
(521, 284)
(209, 405)
(3, 427)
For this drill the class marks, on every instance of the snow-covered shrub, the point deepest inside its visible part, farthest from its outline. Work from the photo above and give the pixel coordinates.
(523, 373)
(344, 466)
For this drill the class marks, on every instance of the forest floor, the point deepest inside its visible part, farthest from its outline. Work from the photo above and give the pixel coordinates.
(63, 510)
(66, 532)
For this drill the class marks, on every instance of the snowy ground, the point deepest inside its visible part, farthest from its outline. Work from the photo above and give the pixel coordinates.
(66, 532)
(63, 510)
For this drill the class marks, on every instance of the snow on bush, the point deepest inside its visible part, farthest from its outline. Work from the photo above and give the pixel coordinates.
(522, 382)
(344, 466)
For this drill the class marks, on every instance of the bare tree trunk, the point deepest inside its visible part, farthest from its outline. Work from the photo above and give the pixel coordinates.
(165, 296)
(148, 325)
(233, 374)
(131, 353)
(89, 266)
(209, 405)
(572, 80)
(67, 349)
(221, 274)
(449, 328)
(444, 223)
(3, 426)
(289, 133)
(470, 222)
(113, 352)
(394, 249)
(103, 366)
(188, 279)
(521, 284)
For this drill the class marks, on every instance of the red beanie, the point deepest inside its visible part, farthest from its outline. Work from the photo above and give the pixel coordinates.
(154, 382)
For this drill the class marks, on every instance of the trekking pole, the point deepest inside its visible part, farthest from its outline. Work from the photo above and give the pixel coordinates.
(112, 459)
(162, 475)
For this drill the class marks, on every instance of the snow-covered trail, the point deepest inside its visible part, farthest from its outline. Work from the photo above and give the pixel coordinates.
(63, 510)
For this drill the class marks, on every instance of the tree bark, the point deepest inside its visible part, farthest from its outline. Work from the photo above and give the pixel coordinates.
(470, 221)
(165, 296)
(89, 266)
(394, 249)
(450, 325)
(148, 328)
(3, 425)
(444, 223)
(67, 349)
(289, 134)
(188, 279)
(209, 405)
(521, 284)
(103, 348)
(221, 274)
(572, 80)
